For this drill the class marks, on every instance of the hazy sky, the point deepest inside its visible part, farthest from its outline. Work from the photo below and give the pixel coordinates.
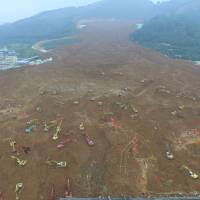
(11, 10)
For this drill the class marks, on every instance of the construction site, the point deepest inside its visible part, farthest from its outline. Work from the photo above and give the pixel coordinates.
(106, 117)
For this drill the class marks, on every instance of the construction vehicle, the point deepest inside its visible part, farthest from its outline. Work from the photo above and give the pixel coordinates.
(168, 152)
(32, 121)
(46, 127)
(30, 129)
(133, 109)
(59, 164)
(50, 125)
(81, 127)
(190, 172)
(12, 145)
(67, 192)
(19, 162)
(18, 189)
(52, 194)
(89, 140)
(62, 144)
(58, 130)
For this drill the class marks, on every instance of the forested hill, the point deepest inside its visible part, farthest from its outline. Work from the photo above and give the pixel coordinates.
(62, 22)
(176, 34)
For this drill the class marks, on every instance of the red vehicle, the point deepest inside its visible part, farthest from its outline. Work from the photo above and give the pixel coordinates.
(53, 194)
(2, 195)
(62, 144)
(67, 192)
(89, 140)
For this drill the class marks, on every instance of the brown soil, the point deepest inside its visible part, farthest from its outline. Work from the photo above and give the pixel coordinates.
(129, 153)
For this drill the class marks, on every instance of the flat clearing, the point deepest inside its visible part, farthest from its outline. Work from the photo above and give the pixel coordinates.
(132, 101)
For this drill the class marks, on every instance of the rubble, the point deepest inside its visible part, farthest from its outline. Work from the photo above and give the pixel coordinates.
(110, 143)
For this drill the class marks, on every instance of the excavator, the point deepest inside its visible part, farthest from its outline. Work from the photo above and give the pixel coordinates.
(51, 124)
(168, 152)
(12, 145)
(190, 172)
(67, 192)
(19, 161)
(58, 130)
(18, 189)
(60, 164)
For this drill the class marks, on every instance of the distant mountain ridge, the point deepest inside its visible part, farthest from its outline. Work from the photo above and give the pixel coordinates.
(171, 27)
(175, 33)
(61, 22)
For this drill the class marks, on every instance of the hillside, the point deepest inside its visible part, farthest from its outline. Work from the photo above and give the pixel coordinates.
(176, 34)
(133, 104)
(62, 22)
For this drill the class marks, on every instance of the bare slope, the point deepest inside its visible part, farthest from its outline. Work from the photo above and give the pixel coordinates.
(128, 157)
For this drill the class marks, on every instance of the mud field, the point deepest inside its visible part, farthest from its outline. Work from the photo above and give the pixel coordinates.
(119, 106)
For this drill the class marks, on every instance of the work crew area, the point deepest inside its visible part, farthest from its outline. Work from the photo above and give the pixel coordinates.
(104, 118)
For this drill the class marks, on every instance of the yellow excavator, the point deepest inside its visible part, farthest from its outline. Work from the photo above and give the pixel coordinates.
(19, 161)
(190, 172)
(48, 126)
(60, 164)
(12, 144)
(18, 189)
(58, 130)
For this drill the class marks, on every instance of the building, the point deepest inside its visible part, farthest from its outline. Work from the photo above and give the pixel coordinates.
(8, 58)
